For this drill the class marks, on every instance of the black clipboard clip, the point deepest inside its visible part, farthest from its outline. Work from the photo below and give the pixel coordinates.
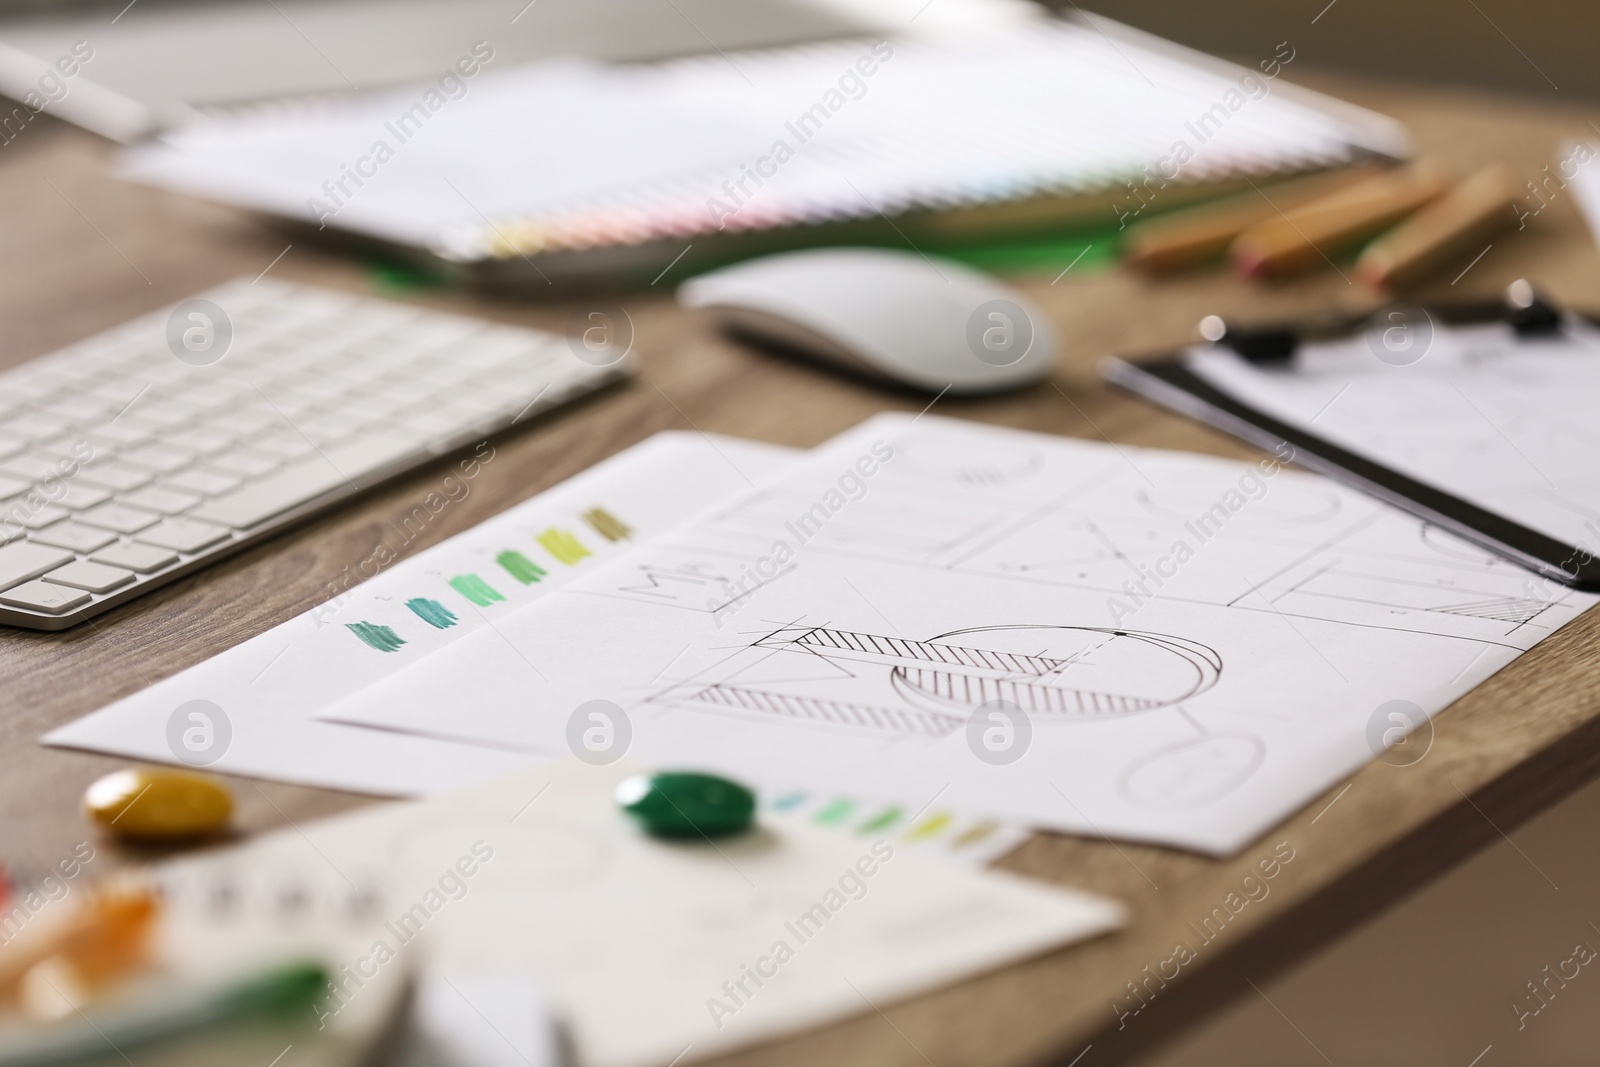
(1522, 308)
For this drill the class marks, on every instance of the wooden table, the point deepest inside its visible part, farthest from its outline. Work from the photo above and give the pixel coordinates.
(85, 252)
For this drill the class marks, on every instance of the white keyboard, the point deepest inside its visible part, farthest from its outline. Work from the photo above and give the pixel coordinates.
(142, 453)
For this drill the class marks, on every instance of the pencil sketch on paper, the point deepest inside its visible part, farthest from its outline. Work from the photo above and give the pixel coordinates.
(832, 677)
(1192, 773)
(974, 464)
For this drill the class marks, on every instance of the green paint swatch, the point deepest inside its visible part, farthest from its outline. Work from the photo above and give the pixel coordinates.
(838, 811)
(433, 613)
(884, 819)
(562, 545)
(375, 636)
(475, 589)
(520, 567)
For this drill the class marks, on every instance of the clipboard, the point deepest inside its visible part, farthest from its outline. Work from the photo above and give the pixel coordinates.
(1180, 381)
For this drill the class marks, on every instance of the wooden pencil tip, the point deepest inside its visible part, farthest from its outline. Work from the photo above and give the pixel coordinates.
(1248, 260)
(1373, 273)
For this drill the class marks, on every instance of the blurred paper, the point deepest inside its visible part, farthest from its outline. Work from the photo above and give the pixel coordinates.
(644, 950)
(477, 1020)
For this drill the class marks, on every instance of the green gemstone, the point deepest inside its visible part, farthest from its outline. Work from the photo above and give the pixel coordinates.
(684, 804)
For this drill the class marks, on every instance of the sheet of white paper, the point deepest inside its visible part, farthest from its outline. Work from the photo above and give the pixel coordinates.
(1501, 422)
(1164, 646)
(259, 697)
(645, 949)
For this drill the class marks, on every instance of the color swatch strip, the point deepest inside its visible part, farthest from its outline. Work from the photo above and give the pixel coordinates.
(562, 545)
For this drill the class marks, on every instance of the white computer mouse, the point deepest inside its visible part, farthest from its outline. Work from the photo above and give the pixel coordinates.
(928, 323)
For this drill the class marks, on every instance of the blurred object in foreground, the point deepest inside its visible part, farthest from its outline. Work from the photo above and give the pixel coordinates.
(473, 1020)
(541, 877)
(157, 804)
(97, 979)
(68, 953)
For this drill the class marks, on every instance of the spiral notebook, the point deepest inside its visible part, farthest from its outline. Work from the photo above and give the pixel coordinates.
(574, 168)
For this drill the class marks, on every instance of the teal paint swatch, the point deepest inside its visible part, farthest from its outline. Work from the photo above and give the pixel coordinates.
(432, 612)
(375, 636)
(520, 567)
(784, 803)
(475, 589)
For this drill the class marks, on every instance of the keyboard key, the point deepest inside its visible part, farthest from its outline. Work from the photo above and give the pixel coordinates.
(184, 535)
(80, 408)
(124, 432)
(34, 384)
(36, 465)
(324, 387)
(118, 517)
(287, 403)
(94, 577)
(73, 536)
(10, 444)
(77, 497)
(324, 426)
(37, 426)
(166, 412)
(118, 390)
(306, 479)
(119, 476)
(283, 445)
(246, 462)
(203, 440)
(45, 597)
(141, 558)
(244, 421)
(158, 457)
(21, 560)
(10, 487)
(18, 514)
(202, 480)
(159, 498)
(210, 395)
(371, 408)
